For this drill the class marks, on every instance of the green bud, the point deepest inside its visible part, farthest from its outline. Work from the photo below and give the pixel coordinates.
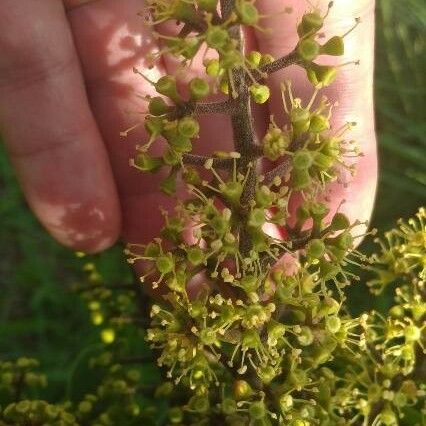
(306, 336)
(229, 406)
(412, 333)
(165, 263)
(323, 161)
(266, 60)
(164, 390)
(195, 256)
(335, 47)
(388, 417)
(308, 49)
(157, 106)
(168, 185)
(321, 75)
(300, 120)
(254, 58)
(171, 157)
(208, 5)
(188, 127)
(247, 12)
(241, 390)
(301, 179)
(250, 283)
(85, 407)
(154, 125)
(217, 37)
(232, 191)
(328, 270)
(319, 123)
(199, 404)
(256, 218)
(257, 410)
(302, 160)
(198, 89)
(315, 249)
(146, 163)
(311, 23)
(318, 211)
(212, 67)
(333, 324)
(191, 176)
(260, 93)
(175, 415)
(340, 222)
(167, 86)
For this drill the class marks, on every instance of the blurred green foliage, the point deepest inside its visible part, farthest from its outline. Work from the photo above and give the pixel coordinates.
(41, 317)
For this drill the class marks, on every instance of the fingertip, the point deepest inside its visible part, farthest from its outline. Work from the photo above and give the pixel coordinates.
(88, 226)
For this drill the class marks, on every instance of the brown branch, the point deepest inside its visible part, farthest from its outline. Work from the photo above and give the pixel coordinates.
(199, 160)
(291, 59)
(279, 171)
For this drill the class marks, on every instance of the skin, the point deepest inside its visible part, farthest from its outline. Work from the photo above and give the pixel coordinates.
(67, 90)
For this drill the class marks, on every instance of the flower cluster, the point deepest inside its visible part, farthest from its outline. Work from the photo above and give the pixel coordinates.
(243, 338)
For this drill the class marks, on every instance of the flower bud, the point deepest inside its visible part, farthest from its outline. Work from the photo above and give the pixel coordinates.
(257, 410)
(301, 179)
(315, 249)
(335, 47)
(167, 86)
(308, 49)
(302, 160)
(198, 89)
(311, 23)
(328, 270)
(256, 218)
(217, 37)
(321, 75)
(195, 256)
(168, 185)
(254, 58)
(212, 67)
(306, 336)
(319, 123)
(165, 263)
(157, 106)
(333, 324)
(260, 93)
(199, 404)
(340, 222)
(250, 283)
(188, 127)
(300, 120)
(247, 12)
(266, 60)
(171, 157)
(208, 5)
(241, 390)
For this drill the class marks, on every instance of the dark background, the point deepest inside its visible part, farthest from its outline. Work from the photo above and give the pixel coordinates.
(41, 317)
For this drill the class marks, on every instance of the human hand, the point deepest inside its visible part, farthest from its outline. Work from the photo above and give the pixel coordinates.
(67, 89)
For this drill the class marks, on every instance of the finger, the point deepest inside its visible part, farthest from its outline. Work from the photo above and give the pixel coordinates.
(111, 40)
(352, 90)
(49, 130)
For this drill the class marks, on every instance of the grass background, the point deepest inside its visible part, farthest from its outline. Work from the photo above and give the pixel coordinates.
(39, 315)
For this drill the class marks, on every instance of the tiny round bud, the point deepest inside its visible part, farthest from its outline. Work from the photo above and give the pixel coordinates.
(319, 123)
(217, 37)
(108, 335)
(165, 264)
(335, 47)
(256, 218)
(157, 106)
(188, 127)
(340, 222)
(300, 120)
(212, 67)
(195, 256)
(302, 160)
(247, 12)
(311, 23)
(315, 249)
(257, 410)
(199, 88)
(308, 49)
(166, 86)
(333, 324)
(305, 336)
(241, 390)
(412, 333)
(146, 163)
(260, 93)
(321, 75)
(176, 415)
(254, 58)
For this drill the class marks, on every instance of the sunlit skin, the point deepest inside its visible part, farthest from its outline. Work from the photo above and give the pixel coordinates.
(67, 90)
